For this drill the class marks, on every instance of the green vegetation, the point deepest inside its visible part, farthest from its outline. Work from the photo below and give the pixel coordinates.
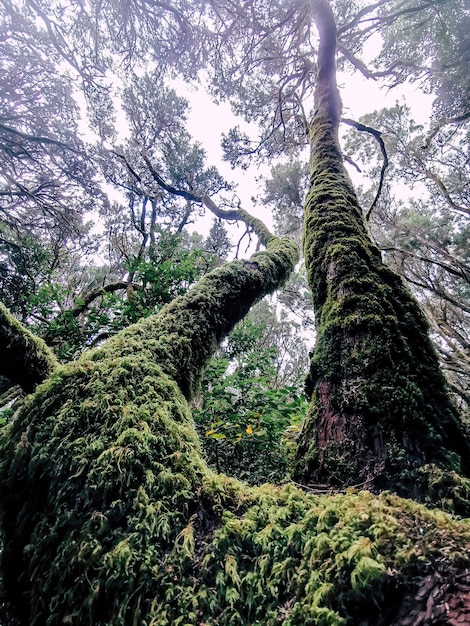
(107, 496)
(111, 511)
(26, 359)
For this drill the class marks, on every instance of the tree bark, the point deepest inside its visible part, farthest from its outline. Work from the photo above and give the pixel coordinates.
(380, 415)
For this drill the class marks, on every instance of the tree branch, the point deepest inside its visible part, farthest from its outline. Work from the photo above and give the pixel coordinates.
(37, 139)
(444, 121)
(378, 136)
(84, 302)
(26, 360)
(258, 227)
(445, 193)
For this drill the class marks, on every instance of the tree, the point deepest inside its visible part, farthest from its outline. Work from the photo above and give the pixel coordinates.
(251, 404)
(47, 185)
(422, 236)
(380, 412)
(110, 514)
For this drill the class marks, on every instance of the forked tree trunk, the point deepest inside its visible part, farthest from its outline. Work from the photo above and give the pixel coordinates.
(380, 415)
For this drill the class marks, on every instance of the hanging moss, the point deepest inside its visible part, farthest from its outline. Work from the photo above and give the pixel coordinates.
(26, 360)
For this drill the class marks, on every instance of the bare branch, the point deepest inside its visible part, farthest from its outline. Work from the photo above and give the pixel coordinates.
(360, 14)
(37, 138)
(378, 136)
(444, 121)
(252, 222)
(460, 272)
(445, 193)
(393, 70)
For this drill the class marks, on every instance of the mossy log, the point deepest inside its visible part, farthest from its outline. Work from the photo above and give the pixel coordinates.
(380, 414)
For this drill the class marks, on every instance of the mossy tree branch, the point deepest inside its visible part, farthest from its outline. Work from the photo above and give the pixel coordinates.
(255, 224)
(26, 360)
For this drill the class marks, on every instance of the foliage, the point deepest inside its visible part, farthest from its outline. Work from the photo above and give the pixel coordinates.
(47, 184)
(284, 193)
(168, 271)
(249, 416)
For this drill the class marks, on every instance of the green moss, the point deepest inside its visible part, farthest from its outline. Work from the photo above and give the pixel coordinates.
(26, 360)
(184, 336)
(374, 376)
(110, 516)
(101, 470)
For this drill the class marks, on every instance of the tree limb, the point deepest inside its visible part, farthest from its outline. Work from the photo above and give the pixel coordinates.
(84, 302)
(37, 138)
(378, 135)
(444, 121)
(445, 193)
(460, 272)
(26, 360)
(258, 227)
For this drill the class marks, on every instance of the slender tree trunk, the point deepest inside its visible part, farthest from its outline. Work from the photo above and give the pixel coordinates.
(380, 416)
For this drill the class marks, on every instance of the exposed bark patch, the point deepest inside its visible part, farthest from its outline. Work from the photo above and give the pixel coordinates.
(330, 426)
(439, 600)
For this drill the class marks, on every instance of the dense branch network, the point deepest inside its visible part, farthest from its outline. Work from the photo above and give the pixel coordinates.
(255, 224)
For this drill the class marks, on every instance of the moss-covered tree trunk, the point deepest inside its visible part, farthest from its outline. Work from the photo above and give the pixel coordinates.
(25, 359)
(101, 469)
(110, 516)
(380, 416)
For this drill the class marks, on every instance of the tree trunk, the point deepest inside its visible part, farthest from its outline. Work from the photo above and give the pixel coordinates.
(25, 358)
(104, 455)
(111, 516)
(380, 415)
